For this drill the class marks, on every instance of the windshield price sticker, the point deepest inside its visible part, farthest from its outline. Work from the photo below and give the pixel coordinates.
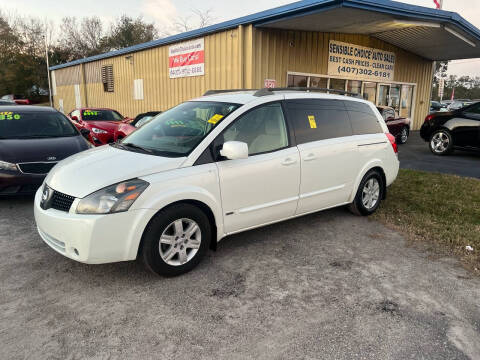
(311, 120)
(90, 113)
(358, 62)
(8, 115)
(175, 123)
(215, 119)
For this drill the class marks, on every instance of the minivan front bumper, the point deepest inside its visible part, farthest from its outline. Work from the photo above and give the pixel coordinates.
(92, 239)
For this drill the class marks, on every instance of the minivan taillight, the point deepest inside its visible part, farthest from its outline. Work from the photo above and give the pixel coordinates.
(393, 142)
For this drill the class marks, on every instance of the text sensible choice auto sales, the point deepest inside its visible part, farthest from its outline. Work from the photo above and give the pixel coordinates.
(358, 62)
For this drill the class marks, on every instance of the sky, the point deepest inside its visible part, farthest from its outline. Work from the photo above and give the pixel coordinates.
(164, 13)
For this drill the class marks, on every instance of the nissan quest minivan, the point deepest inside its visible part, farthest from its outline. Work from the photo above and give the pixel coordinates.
(215, 166)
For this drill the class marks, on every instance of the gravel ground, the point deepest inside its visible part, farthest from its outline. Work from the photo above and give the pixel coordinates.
(325, 286)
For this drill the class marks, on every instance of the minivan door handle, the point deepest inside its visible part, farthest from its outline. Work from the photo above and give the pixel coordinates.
(288, 162)
(309, 157)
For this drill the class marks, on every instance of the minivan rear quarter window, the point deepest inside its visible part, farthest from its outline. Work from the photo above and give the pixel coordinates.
(318, 119)
(364, 121)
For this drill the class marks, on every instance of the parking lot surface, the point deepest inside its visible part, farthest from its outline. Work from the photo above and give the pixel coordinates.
(416, 155)
(324, 286)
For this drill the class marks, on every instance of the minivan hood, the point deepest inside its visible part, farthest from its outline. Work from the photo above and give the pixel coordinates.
(40, 150)
(92, 170)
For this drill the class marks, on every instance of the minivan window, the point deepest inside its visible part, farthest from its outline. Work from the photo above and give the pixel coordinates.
(263, 129)
(364, 121)
(318, 119)
(178, 131)
(31, 124)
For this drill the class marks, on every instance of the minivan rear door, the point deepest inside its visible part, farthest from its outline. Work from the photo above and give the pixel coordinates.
(328, 152)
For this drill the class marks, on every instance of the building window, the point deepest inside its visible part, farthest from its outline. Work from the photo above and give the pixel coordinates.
(107, 78)
(354, 86)
(370, 91)
(318, 82)
(337, 84)
(297, 81)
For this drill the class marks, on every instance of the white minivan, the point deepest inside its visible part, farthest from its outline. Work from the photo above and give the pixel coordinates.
(215, 166)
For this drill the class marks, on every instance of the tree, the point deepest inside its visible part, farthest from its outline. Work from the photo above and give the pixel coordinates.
(203, 19)
(80, 39)
(127, 31)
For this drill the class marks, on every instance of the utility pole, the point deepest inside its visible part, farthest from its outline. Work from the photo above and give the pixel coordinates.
(48, 72)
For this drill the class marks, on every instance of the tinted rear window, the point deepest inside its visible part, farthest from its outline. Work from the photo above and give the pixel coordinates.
(364, 121)
(30, 124)
(318, 119)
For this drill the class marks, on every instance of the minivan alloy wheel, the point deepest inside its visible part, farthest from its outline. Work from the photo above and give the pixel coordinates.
(404, 135)
(371, 193)
(180, 242)
(440, 142)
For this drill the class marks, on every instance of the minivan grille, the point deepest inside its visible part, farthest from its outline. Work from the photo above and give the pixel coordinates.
(61, 201)
(40, 168)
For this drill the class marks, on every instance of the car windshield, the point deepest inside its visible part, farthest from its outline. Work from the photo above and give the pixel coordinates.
(32, 124)
(178, 131)
(101, 115)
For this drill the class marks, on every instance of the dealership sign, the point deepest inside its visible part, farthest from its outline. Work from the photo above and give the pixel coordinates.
(359, 62)
(187, 59)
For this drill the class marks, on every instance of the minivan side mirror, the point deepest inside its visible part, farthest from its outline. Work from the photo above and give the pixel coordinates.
(234, 150)
(85, 133)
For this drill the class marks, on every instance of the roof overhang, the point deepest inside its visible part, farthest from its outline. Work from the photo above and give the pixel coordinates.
(430, 33)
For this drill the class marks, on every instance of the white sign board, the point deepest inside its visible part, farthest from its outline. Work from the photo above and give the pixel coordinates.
(359, 62)
(441, 87)
(187, 59)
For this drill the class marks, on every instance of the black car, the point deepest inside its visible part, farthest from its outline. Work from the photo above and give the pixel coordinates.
(32, 140)
(459, 129)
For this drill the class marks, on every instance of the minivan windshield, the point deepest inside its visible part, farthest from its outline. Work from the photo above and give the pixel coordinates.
(34, 124)
(101, 115)
(179, 130)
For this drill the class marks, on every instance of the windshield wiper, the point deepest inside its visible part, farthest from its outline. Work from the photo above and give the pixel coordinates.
(138, 147)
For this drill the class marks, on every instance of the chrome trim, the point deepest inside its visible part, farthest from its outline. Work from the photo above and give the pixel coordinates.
(34, 162)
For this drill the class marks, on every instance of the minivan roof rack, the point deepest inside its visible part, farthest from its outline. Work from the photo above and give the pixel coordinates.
(270, 91)
(213, 92)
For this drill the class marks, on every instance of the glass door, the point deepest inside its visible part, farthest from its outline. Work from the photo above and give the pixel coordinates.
(394, 100)
(383, 94)
(406, 101)
(370, 91)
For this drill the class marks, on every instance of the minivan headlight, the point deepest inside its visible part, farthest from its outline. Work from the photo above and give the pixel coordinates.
(8, 166)
(112, 199)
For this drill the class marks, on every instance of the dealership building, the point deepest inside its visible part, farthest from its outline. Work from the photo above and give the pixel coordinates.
(383, 50)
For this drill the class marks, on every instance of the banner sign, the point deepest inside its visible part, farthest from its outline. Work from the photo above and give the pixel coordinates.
(359, 62)
(187, 59)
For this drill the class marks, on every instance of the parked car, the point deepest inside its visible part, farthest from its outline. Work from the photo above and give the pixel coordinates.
(7, 102)
(398, 126)
(32, 140)
(215, 166)
(101, 122)
(459, 129)
(458, 104)
(436, 106)
(18, 99)
(127, 128)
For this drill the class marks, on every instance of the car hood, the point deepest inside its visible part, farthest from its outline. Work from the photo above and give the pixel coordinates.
(92, 170)
(105, 125)
(37, 150)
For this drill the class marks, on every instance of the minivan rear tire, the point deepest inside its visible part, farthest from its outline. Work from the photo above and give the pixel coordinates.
(371, 178)
(164, 225)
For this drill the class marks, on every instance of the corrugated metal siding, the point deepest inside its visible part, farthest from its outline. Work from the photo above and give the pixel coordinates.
(278, 51)
(239, 58)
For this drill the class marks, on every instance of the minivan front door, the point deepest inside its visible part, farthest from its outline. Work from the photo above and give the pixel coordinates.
(264, 187)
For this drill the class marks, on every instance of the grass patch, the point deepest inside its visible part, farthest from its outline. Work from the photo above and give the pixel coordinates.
(439, 210)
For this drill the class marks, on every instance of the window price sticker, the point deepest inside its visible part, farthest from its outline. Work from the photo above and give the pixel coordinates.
(215, 119)
(8, 115)
(311, 120)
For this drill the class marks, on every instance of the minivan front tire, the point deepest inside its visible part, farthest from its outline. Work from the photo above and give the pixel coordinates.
(176, 240)
(369, 194)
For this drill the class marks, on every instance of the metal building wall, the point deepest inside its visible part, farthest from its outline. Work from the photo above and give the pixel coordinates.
(276, 52)
(238, 58)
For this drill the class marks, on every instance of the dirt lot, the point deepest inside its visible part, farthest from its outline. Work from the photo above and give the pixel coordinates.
(329, 285)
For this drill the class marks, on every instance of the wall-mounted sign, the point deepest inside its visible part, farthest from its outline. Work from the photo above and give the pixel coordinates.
(187, 59)
(270, 83)
(359, 62)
